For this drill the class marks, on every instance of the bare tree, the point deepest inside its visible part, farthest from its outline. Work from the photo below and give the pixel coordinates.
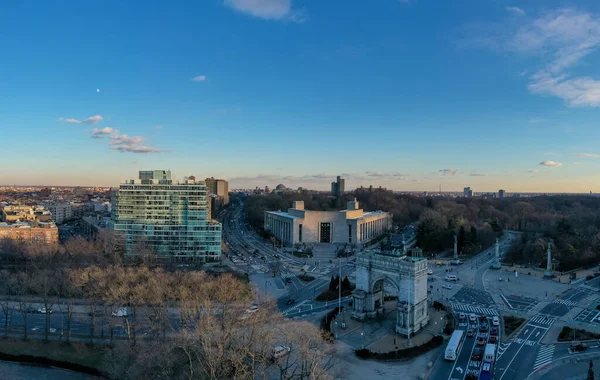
(7, 288)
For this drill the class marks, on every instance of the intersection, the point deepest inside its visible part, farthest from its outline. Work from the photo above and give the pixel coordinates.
(480, 291)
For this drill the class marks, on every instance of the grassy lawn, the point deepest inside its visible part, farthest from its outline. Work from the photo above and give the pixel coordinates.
(567, 335)
(329, 295)
(306, 277)
(76, 352)
(511, 324)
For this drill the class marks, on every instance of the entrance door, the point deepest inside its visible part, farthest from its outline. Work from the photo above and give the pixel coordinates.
(325, 233)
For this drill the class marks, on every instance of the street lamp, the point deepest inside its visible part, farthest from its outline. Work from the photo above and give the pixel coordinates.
(336, 330)
(362, 335)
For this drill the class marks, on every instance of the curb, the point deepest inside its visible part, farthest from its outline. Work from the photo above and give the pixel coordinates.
(537, 374)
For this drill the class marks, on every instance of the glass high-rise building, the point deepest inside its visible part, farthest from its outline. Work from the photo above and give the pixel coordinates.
(170, 218)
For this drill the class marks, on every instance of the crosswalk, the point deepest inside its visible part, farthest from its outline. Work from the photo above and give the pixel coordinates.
(542, 320)
(589, 288)
(544, 356)
(568, 303)
(473, 309)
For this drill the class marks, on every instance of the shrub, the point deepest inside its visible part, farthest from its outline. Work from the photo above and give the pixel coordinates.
(326, 323)
(407, 353)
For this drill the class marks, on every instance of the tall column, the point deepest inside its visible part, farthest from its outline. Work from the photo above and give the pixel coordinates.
(455, 247)
(548, 272)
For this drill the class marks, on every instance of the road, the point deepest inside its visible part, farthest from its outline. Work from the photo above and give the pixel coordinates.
(261, 257)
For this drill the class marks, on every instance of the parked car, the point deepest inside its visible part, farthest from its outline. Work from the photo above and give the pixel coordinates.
(280, 351)
(577, 347)
(481, 341)
(252, 309)
(121, 312)
(43, 310)
(476, 355)
(470, 333)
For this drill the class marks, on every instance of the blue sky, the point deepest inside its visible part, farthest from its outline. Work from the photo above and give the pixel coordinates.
(404, 94)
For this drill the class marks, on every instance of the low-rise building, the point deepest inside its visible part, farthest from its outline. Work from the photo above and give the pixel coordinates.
(21, 213)
(352, 226)
(30, 231)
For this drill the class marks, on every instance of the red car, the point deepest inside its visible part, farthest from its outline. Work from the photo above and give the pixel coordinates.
(494, 332)
(476, 354)
(493, 340)
(480, 341)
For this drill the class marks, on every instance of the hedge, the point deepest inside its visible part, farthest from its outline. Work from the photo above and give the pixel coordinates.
(407, 353)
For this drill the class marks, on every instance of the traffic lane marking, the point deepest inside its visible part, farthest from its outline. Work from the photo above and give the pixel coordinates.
(522, 344)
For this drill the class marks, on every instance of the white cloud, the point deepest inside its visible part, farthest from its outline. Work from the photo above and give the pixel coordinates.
(515, 10)
(448, 171)
(123, 142)
(100, 133)
(553, 164)
(199, 78)
(90, 120)
(560, 39)
(136, 149)
(587, 155)
(267, 9)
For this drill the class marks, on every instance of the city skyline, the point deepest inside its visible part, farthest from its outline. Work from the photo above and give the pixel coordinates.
(279, 91)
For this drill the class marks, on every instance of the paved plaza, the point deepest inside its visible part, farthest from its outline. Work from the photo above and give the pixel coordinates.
(378, 334)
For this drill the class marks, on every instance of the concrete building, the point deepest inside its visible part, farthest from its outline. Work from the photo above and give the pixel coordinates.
(501, 193)
(338, 187)
(61, 211)
(467, 192)
(171, 218)
(21, 213)
(352, 226)
(46, 232)
(218, 187)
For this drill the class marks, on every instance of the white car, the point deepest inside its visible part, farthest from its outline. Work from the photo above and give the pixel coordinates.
(429, 272)
(44, 311)
(280, 351)
(253, 309)
(495, 321)
(447, 286)
(462, 316)
(473, 318)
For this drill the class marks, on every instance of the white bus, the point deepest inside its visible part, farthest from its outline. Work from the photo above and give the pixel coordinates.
(454, 345)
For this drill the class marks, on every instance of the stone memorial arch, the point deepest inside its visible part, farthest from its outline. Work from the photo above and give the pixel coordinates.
(407, 274)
